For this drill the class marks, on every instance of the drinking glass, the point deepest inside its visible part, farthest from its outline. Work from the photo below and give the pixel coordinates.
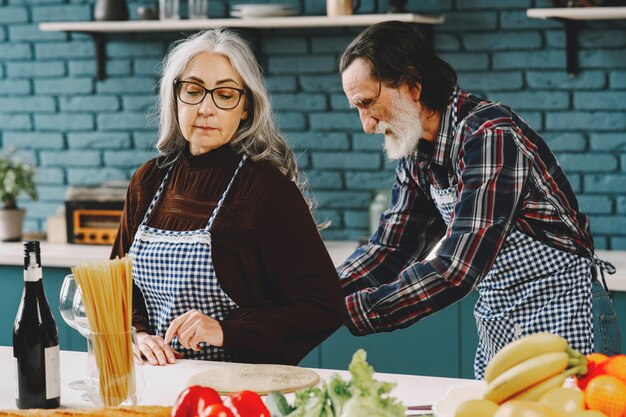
(73, 313)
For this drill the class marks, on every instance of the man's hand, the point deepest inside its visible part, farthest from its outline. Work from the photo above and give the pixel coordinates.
(192, 328)
(155, 350)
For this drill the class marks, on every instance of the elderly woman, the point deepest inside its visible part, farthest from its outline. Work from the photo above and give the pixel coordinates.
(228, 263)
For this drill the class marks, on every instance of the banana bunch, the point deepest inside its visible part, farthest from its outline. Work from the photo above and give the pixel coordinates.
(531, 366)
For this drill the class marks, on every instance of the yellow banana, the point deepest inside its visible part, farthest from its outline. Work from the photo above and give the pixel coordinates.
(534, 392)
(525, 374)
(522, 349)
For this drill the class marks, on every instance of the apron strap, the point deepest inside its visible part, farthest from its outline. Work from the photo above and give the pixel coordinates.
(156, 196)
(599, 265)
(219, 203)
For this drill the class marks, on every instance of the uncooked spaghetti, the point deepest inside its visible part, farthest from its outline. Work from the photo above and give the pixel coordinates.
(107, 295)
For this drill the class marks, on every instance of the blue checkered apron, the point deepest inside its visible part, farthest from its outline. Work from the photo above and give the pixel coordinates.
(174, 270)
(530, 288)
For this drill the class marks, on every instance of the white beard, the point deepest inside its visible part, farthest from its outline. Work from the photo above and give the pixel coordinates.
(403, 133)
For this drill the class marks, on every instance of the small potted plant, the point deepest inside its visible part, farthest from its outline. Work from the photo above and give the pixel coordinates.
(16, 177)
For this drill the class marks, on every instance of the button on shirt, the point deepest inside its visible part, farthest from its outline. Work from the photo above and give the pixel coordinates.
(504, 174)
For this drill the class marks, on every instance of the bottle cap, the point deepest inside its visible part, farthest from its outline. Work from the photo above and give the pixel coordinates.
(30, 247)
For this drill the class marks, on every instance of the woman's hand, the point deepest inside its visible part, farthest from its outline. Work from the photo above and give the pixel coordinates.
(194, 327)
(155, 350)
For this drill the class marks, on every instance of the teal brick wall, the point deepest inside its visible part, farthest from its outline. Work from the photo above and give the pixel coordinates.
(78, 130)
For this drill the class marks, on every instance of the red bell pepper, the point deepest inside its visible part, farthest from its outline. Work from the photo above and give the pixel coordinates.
(249, 404)
(217, 410)
(193, 401)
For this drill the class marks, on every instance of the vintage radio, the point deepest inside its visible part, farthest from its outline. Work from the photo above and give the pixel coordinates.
(93, 214)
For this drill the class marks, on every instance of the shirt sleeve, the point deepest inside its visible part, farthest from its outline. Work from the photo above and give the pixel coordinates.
(309, 305)
(492, 172)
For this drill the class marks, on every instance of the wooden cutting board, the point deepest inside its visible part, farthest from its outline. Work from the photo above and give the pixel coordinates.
(261, 379)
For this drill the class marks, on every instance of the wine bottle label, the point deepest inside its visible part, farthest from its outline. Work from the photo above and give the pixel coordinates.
(33, 274)
(53, 372)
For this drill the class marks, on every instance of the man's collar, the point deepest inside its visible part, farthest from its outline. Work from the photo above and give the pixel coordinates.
(442, 146)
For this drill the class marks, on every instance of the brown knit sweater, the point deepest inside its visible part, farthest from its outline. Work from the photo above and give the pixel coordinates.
(268, 255)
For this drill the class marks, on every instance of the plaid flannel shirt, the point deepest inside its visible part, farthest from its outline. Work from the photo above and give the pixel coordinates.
(504, 175)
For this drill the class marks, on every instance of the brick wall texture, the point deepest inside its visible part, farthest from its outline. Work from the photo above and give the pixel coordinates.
(78, 130)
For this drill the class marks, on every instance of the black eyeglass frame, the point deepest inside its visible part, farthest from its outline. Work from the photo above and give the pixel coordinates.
(178, 83)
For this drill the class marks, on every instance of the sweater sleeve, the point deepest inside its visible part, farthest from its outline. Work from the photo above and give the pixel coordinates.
(309, 304)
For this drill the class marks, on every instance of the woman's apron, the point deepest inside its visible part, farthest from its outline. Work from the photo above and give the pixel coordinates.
(175, 272)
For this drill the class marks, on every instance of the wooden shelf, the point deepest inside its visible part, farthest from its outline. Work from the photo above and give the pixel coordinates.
(98, 30)
(572, 18)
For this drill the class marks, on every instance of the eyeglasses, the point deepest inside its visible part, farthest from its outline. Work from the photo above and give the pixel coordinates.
(225, 98)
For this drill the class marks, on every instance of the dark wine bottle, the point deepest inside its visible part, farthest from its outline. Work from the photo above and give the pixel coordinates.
(36, 340)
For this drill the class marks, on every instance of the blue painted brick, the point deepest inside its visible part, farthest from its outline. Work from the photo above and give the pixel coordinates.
(64, 86)
(555, 38)
(88, 67)
(324, 180)
(40, 209)
(318, 140)
(290, 120)
(607, 224)
(49, 176)
(140, 102)
(623, 162)
(608, 142)
(494, 4)
(344, 234)
(339, 102)
(560, 80)
(328, 44)
(599, 242)
(602, 38)
(602, 58)
(132, 49)
(533, 119)
(367, 142)
(421, 6)
(125, 85)
(600, 100)
(12, 87)
(147, 66)
(89, 103)
(335, 121)
(70, 158)
(145, 140)
(62, 50)
(15, 122)
(61, 13)
(368, 180)
(519, 20)
(35, 69)
(546, 59)
(466, 60)
(303, 161)
(13, 14)
(122, 121)
(321, 83)
(314, 7)
(533, 100)
(446, 42)
(15, 51)
(617, 79)
(594, 204)
(576, 182)
(621, 204)
(343, 199)
(132, 158)
(586, 120)
(33, 140)
(284, 46)
(302, 64)
(51, 192)
(588, 162)
(504, 41)
(3, 35)
(605, 183)
(19, 33)
(471, 20)
(618, 243)
(84, 176)
(64, 122)
(495, 81)
(27, 155)
(281, 83)
(566, 141)
(99, 140)
(343, 160)
(356, 219)
(27, 103)
(334, 216)
(299, 101)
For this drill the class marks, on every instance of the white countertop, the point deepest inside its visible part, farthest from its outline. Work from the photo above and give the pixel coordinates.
(164, 383)
(68, 255)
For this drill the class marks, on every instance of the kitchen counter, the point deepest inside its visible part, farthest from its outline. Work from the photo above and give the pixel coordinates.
(67, 255)
(163, 383)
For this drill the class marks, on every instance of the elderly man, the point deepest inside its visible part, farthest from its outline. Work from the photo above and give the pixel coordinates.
(475, 175)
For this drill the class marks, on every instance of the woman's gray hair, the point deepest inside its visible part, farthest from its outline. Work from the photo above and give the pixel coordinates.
(257, 135)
